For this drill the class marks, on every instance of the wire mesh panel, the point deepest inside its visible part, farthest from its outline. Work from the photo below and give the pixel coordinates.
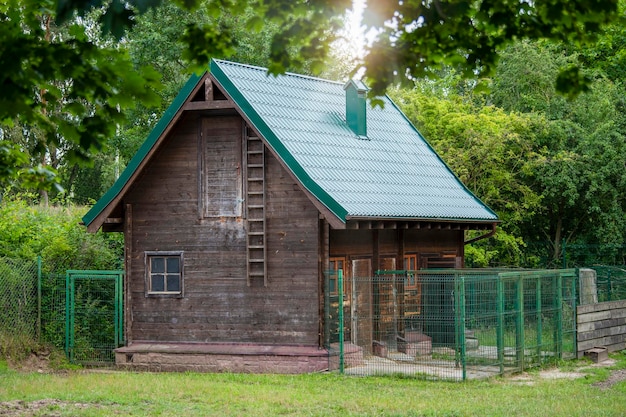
(18, 299)
(94, 319)
(453, 324)
(611, 283)
(53, 300)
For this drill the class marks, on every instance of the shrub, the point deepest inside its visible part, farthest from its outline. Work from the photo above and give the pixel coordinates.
(55, 234)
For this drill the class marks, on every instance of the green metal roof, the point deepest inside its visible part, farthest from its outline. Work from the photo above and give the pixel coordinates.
(394, 173)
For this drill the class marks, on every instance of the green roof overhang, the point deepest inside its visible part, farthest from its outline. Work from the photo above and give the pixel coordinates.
(131, 169)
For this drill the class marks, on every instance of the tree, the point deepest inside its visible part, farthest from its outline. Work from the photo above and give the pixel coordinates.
(417, 38)
(60, 87)
(578, 170)
(489, 150)
(100, 83)
(163, 26)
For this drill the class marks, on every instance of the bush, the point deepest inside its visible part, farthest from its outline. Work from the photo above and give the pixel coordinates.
(55, 234)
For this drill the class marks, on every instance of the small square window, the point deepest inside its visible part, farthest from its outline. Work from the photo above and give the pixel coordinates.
(164, 273)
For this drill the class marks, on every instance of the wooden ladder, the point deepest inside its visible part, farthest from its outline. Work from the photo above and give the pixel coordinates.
(255, 212)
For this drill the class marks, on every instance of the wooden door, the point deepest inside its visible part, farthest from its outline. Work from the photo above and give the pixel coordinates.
(387, 305)
(438, 298)
(361, 304)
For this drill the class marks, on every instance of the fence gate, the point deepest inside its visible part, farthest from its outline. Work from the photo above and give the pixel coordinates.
(94, 320)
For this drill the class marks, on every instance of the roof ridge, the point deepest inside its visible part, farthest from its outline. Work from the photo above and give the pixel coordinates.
(287, 73)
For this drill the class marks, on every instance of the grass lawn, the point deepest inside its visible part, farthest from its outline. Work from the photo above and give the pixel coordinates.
(98, 393)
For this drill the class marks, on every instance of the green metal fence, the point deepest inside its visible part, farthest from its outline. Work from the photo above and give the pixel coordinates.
(610, 283)
(52, 300)
(451, 324)
(94, 321)
(34, 304)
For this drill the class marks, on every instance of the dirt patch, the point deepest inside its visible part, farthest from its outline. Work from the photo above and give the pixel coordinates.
(45, 407)
(615, 377)
(35, 362)
(555, 373)
(558, 374)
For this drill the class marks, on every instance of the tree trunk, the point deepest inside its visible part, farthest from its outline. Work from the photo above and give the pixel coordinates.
(556, 256)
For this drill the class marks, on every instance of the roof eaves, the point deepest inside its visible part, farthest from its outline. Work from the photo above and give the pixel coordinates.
(274, 142)
(425, 219)
(128, 173)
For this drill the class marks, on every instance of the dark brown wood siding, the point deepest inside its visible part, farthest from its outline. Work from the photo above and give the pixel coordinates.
(169, 214)
(388, 243)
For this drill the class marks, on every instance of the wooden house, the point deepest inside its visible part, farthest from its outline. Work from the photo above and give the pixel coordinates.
(248, 189)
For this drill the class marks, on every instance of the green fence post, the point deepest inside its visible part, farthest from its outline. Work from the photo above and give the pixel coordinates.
(122, 314)
(68, 314)
(460, 319)
(341, 324)
(539, 318)
(559, 316)
(39, 283)
(519, 322)
(500, 322)
(117, 311)
(327, 310)
(575, 286)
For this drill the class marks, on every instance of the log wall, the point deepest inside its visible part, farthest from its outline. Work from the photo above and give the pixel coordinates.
(601, 325)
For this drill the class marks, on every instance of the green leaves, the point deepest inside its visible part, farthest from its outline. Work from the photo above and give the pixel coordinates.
(11, 159)
(419, 38)
(61, 85)
(571, 81)
(206, 42)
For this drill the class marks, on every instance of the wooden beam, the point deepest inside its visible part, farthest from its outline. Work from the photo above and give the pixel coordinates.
(208, 89)
(209, 105)
(128, 257)
(392, 224)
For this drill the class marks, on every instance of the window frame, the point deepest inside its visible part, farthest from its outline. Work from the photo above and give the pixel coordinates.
(148, 256)
(333, 287)
(412, 281)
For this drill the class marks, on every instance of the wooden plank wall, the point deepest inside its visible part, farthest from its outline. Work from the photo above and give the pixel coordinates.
(218, 305)
(360, 243)
(601, 324)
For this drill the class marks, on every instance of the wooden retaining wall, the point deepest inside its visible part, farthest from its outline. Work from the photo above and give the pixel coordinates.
(601, 324)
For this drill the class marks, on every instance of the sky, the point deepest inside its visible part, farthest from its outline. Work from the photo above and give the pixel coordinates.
(355, 33)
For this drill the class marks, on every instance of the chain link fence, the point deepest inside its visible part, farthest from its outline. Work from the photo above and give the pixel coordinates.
(19, 312)
(445, 324)
(452, 324)
(95, 322)
(32, 306)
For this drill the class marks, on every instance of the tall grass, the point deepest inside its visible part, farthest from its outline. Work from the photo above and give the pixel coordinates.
(16, 346)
